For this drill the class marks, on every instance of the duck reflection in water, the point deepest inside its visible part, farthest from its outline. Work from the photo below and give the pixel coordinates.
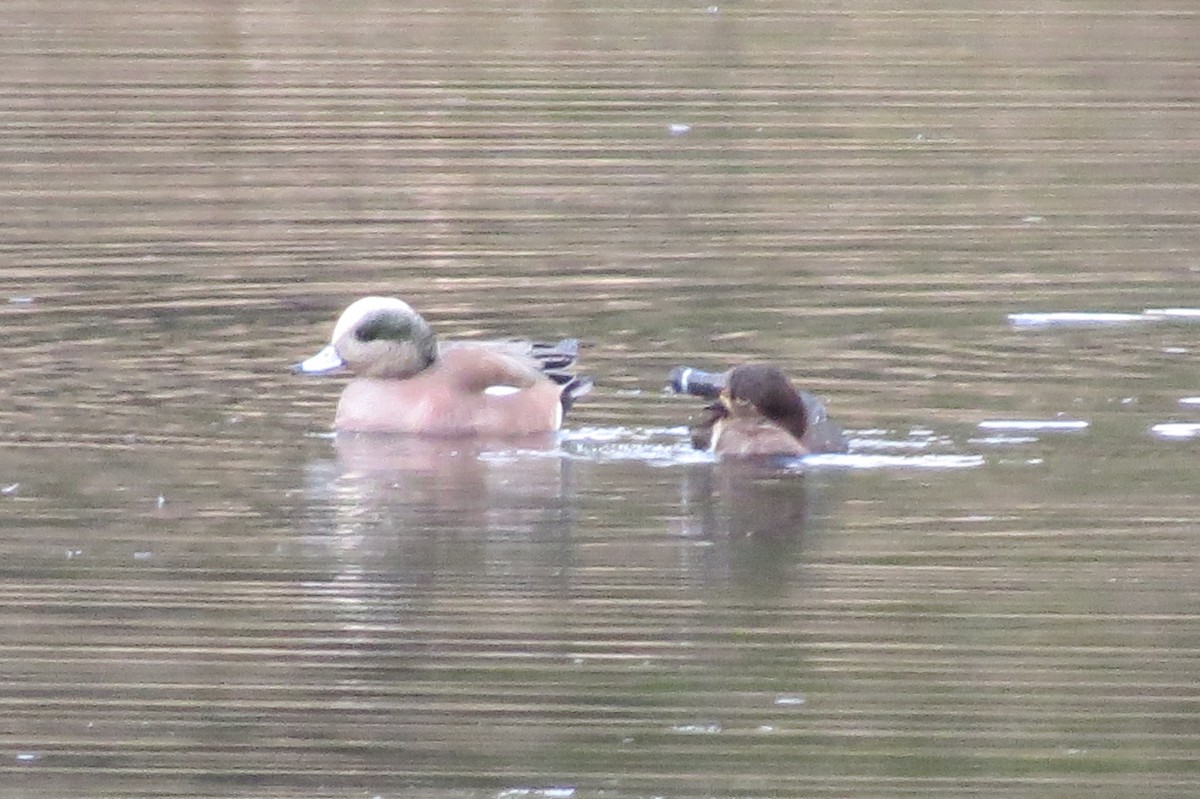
(466, 486)
(395, 516)
(754, 517)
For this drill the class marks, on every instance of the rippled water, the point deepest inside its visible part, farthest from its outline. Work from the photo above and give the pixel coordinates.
(973, 231)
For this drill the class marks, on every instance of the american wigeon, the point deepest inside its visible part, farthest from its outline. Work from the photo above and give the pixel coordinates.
(405, 381)
(758, 412)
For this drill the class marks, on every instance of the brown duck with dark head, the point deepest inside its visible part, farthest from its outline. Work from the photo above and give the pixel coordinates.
(757, 413)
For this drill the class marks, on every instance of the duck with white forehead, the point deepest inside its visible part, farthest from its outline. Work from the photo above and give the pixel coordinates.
(406, 381)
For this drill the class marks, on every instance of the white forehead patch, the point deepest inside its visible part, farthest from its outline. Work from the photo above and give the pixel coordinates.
(500, 391)
(367, 305)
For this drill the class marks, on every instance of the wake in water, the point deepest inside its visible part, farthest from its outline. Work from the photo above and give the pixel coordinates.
(671, 446)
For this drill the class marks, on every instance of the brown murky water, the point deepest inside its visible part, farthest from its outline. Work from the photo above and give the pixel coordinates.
(204, 594)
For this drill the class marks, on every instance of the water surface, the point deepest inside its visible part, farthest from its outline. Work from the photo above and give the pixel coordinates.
(995, 594)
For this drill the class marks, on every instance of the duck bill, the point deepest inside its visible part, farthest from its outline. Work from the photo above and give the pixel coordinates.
(686, 380)
(324, 362)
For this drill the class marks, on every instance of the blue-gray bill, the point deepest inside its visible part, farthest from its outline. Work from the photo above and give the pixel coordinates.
(324, 362)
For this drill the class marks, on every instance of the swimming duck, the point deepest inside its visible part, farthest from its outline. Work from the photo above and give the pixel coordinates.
(406, 381)
(757, 413)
